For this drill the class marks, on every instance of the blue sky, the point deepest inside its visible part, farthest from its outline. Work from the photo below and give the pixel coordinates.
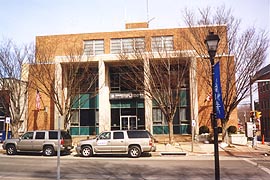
(22, 20)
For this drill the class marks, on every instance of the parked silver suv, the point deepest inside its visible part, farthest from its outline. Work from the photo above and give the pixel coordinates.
(39, 141)
(131, 142)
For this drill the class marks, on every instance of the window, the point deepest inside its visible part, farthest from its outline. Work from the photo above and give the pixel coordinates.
(53, 135)
(127, 45)
(105, 135)
(138, 134)
(162, 43)
(123, 79)
(74, 120)
(183, 115)
(28, 135)
(94, 47)
(267, 86)
(158, 116)
(87, 117)
(118, 135)
(40, 135)
(65, 135)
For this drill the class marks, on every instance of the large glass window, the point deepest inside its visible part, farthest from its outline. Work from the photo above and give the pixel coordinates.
(122, 79)
(94, 47)
(127, 45)
(87, 117)
(84, 119)
(162, 43)
(158, 116)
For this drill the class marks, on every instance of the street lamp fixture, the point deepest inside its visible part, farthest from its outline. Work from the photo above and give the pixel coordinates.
(211, 42)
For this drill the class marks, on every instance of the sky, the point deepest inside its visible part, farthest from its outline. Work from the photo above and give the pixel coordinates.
(23, 20)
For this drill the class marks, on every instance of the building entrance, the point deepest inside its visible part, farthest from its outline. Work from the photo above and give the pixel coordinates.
(128, 122)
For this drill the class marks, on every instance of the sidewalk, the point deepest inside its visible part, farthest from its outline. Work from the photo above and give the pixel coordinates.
(199, 148)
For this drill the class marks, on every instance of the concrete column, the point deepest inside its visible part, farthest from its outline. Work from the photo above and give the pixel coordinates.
(147, 100)
(59, 88)
(104, 101)
(194, 93)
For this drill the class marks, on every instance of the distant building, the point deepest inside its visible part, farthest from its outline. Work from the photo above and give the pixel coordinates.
(264, 99)
(116, 107)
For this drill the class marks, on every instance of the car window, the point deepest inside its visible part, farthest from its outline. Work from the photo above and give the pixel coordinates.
(105, 135)
(138, 134)
(28, 135)
(65, 135)
(118, 135)
(53, 135)
(40, 135)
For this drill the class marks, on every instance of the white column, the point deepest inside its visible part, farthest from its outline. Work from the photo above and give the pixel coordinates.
(104, 102)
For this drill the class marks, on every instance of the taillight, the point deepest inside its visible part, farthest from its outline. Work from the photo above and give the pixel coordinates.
(62, 141)
(150, 143)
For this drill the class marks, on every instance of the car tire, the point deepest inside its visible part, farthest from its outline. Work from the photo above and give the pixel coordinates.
(134, 152)
(48, 151)
(11, 149)
(87, 151)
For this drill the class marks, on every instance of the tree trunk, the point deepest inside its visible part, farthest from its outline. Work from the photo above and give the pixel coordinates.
(170, 126)
(14, 130)
(224, 131)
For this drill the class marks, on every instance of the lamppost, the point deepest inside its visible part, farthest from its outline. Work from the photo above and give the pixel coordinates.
(211, 42)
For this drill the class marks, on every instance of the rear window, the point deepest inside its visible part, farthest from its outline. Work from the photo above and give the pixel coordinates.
(138, 134)
(54, 135)
(65, 135)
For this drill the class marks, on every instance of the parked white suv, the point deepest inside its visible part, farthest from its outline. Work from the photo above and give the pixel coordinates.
(131, 142)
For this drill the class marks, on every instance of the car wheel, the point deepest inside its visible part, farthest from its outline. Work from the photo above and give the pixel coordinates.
(134, 152)
(11, 149)
(48, 151)
(86, 151)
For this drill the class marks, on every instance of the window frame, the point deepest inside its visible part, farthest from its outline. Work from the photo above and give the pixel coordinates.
(93, 47)
(162, 43)
(127, 45)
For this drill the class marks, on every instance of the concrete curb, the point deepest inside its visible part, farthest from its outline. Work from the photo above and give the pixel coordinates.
(173, 153)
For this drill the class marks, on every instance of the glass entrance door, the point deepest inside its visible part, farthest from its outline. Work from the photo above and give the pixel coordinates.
(128, 122)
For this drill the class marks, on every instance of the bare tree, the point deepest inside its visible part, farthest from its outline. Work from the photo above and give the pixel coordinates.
(160, 75)
(62, 79)
(243, 51)
(13, 82)
(243, 112)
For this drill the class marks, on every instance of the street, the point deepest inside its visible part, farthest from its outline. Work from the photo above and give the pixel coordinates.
(37, 167)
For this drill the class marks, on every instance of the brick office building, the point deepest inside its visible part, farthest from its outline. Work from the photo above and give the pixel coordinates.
(114, 107)
(264, 100)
